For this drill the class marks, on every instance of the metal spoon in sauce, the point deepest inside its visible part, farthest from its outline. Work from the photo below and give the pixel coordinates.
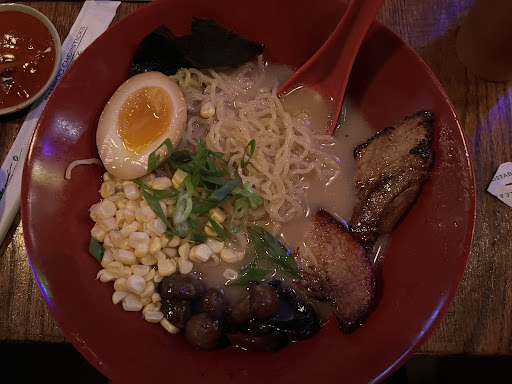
(328, 70)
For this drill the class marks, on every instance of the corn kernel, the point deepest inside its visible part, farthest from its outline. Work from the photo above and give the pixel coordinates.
(155, 244)
(106, 209)
(148, 307)
(208, 229)
(120, 284)
(150, 275)
(121, 204)
(178, 178)
(108, 257)
(215, 245)
(148, 260)
(202, 253)
(141, 270)
(107, 242)
(164, 241)
(161, 183)
(148, 179)
(105, 276)
(108, 224)
(155, 297)
(157, 226)
(185, 266)
(134, 226)
(174, 242)
(153, 316)
(117, 296)
(116, 237)
(125, 257)
(108, 188)
(230, 274)
(158, 278)
(115, 268)
(131, 190)
(172, 329)
(132, 303)
(108, 177)
(166, 267)
(136, 284)
(98, 233)
(127, 272)
(137, 238)
(170, 252)
(160, 255)
(129, 215)
(207, 110)
(184, 250)
(141, 250)
(217, 215)
(116, 197)
(229, 255)
(148, 290)
(132, 205)
(144, 214)
(124, 245)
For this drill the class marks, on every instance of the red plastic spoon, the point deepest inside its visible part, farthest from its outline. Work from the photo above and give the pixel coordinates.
(328, 70)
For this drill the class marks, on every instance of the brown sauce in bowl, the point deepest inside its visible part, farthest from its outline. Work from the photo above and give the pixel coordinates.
(27, 57)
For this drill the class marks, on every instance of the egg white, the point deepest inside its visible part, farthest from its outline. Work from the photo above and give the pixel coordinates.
(118, 160)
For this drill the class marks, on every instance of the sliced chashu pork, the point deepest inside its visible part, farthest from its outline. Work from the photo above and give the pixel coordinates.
(334, 266)
(391, 168)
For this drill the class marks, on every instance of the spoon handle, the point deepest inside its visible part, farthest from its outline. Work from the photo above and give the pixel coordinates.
(328, 70)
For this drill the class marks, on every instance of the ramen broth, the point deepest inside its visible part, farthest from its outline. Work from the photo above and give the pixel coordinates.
(338, 196)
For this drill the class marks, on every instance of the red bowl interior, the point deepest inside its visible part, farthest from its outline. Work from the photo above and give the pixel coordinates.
(422, 265)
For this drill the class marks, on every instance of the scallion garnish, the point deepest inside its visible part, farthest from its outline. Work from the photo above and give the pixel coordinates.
(202, 172)
(154, 157)
(252, 146)
(96, 249)
(267, 249)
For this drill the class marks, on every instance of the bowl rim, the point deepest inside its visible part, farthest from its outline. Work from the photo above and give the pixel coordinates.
(57, 42)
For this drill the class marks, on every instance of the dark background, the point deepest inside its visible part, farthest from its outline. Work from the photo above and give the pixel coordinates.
(61, 363)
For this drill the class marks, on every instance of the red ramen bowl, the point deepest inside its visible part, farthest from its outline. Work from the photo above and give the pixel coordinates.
(422, 264)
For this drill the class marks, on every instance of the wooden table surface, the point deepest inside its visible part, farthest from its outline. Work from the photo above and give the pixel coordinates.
(479, 321)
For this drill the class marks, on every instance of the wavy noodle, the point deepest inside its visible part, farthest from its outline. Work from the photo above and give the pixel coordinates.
(288, 155)
(69, 169)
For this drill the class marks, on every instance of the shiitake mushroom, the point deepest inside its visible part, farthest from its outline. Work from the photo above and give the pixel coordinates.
(270, 316)
(182, 287)
(203, 331)
(263, 300)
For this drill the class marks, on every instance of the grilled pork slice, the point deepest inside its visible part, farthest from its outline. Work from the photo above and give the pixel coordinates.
(391, 168)
(334, 266)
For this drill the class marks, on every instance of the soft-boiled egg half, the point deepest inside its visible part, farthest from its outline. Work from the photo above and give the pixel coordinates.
(144, 111)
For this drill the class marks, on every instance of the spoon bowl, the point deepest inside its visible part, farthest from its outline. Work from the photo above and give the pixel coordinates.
(328, 70)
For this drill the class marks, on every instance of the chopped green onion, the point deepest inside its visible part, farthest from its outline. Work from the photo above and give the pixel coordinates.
(216, 198)
(154, 203)
(242, 206)
(158, 193)
(250, 274)
(96, 249)
(154, 157)
(182, 209)
(270, 249)
(254, 200)
(218, 229)
(252, 145)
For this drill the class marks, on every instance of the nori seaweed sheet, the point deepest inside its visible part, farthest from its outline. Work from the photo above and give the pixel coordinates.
(209, 46)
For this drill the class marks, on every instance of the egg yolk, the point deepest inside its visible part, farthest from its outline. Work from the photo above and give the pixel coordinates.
(144, 116)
